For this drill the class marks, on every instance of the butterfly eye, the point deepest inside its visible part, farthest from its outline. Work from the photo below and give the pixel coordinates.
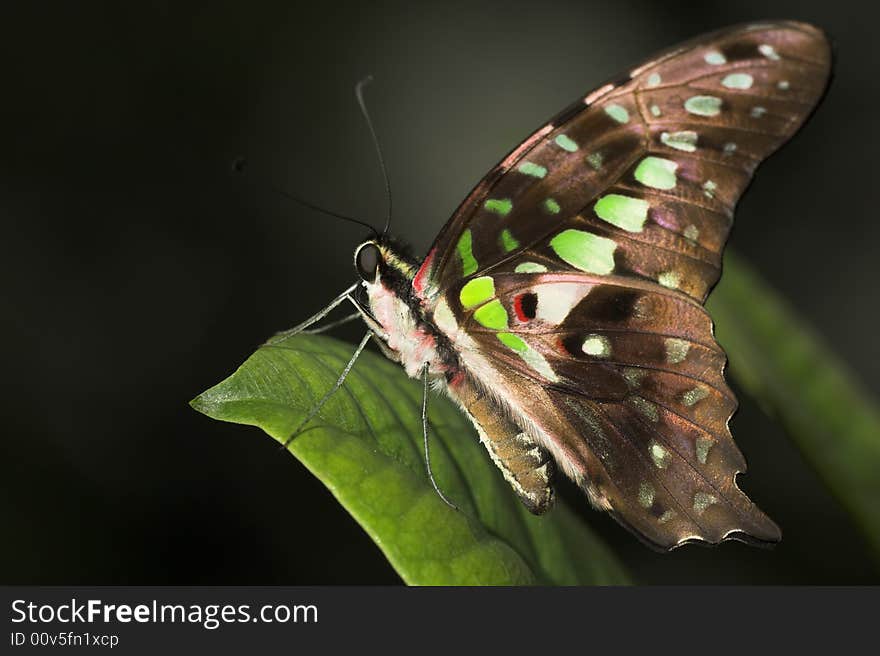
(366, 259)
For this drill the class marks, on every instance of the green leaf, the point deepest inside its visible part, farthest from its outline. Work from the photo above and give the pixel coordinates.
(366, 447)
(779, 361)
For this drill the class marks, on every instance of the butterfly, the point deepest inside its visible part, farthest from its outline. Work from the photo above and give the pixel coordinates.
(561, 307)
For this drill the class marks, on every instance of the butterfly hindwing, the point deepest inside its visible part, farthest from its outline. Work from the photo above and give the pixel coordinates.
(623, 382)
(665, 494)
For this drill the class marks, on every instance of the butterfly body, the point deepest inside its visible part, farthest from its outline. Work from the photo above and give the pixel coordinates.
(562, 305)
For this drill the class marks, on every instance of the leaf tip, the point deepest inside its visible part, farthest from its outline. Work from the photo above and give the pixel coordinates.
(204, 403)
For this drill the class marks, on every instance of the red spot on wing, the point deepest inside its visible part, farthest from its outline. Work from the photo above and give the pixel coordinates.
(418, 282)
(518, 307)
(525, 306)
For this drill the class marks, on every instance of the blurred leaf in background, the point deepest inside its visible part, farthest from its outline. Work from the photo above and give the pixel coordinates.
(794, 376)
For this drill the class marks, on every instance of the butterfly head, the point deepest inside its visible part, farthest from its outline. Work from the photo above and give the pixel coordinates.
(380, 261)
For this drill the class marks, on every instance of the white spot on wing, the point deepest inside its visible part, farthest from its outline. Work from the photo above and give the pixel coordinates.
(556, 300)
(659, 455)
(768, 51)
(738, 81)
(692, 232)
(669, 279)
(646, 494)
(597, 345)
(703, 500)
(537, 362)
(676, 349)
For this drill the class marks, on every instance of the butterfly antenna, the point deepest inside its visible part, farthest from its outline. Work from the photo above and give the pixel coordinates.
(359, 92)
(240, 164)
(425, 437)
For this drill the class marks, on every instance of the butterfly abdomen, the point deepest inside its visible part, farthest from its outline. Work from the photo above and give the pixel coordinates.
(526, 465)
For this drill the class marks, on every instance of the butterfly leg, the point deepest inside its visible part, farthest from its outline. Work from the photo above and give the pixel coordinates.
(277, 337)
(320, 404)
(425, 437)
(333, 324)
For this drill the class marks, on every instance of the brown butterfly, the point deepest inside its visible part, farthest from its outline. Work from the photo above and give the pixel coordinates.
(562, 305)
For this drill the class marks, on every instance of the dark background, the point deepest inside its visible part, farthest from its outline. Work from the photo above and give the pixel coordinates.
(137, 271)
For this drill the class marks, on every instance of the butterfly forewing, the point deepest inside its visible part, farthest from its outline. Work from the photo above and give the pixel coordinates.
(652, 165)
(571, 280)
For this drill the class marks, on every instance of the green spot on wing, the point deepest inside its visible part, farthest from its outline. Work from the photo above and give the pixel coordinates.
(468, 263)
(512, 341)
(703, 105)
(551, 206)
(624, 212)
(500, 206)
(738, 81)
(492, 315)
(477, 291)
(508, 241)
(685, 140)
(618, 113)
(532, 169)
(530, 267)
(585, 251)
(656, 172)
(566, 143)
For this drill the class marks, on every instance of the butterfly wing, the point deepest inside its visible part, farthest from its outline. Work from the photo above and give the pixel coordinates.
(571, 280)
(623, 383)
(651, 166)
